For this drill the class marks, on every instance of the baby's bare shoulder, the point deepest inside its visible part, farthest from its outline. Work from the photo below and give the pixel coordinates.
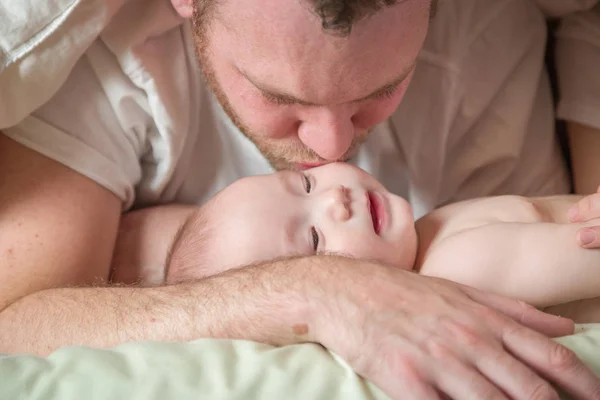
(463, 216)
(496, 209)
(508, 209)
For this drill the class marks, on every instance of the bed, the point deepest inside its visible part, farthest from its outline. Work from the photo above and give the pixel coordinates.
(206, 369)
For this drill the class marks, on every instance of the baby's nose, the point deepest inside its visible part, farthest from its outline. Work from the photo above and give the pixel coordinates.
(340, 203)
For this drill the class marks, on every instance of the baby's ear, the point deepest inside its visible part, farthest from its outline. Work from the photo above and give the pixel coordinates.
(185, 8)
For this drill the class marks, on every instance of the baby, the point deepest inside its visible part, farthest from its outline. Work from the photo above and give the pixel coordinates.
(518, 247)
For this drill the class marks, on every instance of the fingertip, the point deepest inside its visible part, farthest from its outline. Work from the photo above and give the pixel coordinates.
(564, 327)
(586, 238)
(549, 325)
(573, 213)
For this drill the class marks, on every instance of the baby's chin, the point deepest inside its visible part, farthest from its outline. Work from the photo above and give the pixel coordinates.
(405, 253)
(402, 219)
(403, 208)
(405, 241)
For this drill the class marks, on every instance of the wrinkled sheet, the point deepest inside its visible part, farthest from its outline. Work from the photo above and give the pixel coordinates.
(206, 369)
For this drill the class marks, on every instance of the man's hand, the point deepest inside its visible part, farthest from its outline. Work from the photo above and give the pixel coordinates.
(584, 143)
(422, 338)
(586, 209)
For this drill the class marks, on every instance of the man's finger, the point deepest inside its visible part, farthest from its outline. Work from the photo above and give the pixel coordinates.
(510, 374)
(402, 380)
(547, 324)
(465, 382)
(585, 209)
(553, 361)
(589, 238)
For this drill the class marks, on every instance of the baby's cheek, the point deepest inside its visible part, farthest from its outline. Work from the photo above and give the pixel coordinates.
(360, 247)
(376, 249)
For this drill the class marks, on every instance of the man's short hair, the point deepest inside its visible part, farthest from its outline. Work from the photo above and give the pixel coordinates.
(337, 16)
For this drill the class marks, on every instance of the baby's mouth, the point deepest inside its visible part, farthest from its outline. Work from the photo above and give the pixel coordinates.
(373, 210)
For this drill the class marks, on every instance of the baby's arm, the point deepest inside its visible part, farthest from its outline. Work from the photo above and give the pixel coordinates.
(539, 263)
(144, 242)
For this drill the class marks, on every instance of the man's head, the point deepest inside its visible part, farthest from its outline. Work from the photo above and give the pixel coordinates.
(333, 209)
(306, 80)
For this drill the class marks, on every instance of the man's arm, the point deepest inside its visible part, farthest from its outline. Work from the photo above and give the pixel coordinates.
(259, 303)
(539, 263)
(57, 227)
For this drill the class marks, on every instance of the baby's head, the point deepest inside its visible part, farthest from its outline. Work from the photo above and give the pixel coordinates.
(333, 209)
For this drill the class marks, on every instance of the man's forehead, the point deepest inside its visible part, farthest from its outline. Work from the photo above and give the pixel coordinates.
(287, 46)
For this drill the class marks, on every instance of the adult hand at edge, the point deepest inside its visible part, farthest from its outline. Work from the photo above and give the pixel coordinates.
(584, 210)
(425, 338)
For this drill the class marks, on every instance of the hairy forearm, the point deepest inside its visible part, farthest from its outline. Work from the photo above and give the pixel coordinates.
(262, 303)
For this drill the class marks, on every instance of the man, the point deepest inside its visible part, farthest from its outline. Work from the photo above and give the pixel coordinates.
(306, 82)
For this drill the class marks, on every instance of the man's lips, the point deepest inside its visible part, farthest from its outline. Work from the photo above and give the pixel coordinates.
(309, 165)
(377, 211)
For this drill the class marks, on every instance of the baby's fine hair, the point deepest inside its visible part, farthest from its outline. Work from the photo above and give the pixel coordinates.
(189, 255)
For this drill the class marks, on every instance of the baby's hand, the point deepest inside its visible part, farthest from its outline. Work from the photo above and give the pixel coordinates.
(586, 209)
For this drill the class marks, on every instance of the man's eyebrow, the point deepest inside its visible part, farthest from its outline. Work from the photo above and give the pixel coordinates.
(287, 98)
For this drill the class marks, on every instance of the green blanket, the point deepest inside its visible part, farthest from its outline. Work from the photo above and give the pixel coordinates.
(205, 369)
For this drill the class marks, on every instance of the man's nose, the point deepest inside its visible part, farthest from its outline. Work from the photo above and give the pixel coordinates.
(328, 132)
(339, 203)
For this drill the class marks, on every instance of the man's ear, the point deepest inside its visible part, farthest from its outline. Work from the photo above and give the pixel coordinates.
(184, 8)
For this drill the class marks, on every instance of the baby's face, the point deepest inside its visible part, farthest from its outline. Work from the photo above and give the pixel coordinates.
(336, 208)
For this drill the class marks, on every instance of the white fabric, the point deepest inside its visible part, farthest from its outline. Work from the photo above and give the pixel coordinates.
(562, 8)
(40, 41)
(136, 116)
(209, 369)
(578, 64)
(577, 58)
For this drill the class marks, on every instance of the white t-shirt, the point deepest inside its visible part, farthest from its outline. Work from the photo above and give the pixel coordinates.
(136, 116)
(578, 64)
